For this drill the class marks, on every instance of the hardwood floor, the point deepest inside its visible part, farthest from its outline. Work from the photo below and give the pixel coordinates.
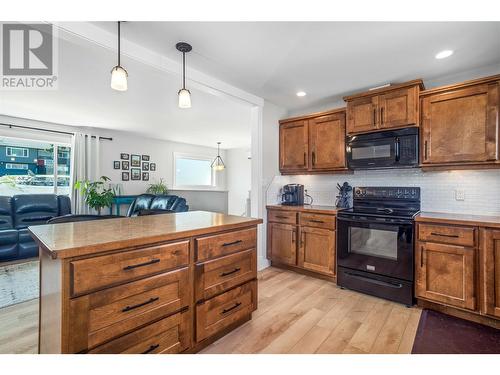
(296, 314)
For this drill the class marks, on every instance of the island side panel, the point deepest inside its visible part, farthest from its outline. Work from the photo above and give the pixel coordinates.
(50, 313)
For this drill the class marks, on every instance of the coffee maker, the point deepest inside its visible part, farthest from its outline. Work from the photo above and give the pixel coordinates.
(292, 195)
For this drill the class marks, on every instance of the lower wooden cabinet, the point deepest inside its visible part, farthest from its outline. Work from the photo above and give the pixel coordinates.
(446, 274)
(281, 243)
(490, 272)
(316, 250)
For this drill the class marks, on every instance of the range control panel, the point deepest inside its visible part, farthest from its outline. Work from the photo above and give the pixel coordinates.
(387, 192)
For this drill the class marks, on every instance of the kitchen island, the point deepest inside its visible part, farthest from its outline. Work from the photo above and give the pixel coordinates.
(167, 283)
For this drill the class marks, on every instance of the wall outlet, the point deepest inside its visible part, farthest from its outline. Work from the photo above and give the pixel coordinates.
(459, 194)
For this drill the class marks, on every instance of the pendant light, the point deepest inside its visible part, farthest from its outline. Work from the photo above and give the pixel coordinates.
(118, 73)
(218, 164)
(184, 94)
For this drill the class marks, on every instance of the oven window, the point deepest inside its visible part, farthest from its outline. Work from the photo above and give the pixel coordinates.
(373, 242)
(371, 152)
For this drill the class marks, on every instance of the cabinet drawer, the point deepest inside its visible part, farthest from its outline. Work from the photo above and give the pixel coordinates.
(453, 235)
(219, 275)
(169, 335)
(317, 220)
(96, 273)
(226, 243)
(280, 216)
(112, 312)
(219, 312)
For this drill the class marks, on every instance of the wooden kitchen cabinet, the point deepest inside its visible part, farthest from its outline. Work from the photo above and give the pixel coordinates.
(446, 274)
(294, 146)
(281, 243)
(313, 144)
(327, 142)
(391, 107)
(317, 250)
(459, 124)
(490, 272)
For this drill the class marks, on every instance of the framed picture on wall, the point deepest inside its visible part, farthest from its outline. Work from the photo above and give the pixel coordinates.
(125, 176)
(145, 157)
(145, 176)
(125, 165)
(135, 174)
(135, 161)
(152, 167)
(116, 164)
(145, 166)
(124, 156)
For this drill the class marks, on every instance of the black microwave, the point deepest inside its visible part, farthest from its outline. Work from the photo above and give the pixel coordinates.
(385, 149)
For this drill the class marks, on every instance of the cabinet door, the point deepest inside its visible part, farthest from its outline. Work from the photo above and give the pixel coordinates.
(460, 125)
(281, 243)
(293, 146)
(490, 272)
(327, 142)
(398, 108)
(317, 250)
(446, 274)
(362, 115)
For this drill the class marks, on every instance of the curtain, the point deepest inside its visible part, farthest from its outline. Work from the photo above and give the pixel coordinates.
(85, 165)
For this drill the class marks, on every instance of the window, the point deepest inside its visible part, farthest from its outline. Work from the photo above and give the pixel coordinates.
(193, 172)
(16, 166)
(45, 167)
(17, 152)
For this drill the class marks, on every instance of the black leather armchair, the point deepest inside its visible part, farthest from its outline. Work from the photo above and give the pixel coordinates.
(19, 212)
(157, 203)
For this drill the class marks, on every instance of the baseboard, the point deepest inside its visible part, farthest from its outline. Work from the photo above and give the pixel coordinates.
(262, 262)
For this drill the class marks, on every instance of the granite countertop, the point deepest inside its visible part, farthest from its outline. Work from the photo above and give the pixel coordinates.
(332, 210)
(91, 237)
(451, 218)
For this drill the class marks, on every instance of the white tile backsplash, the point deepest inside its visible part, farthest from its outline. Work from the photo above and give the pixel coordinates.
(482, 187)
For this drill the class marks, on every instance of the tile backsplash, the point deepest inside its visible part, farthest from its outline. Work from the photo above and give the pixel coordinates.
(481, 188)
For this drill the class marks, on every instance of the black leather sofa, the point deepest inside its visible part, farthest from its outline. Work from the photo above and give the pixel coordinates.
(149, 203)
(20, 211)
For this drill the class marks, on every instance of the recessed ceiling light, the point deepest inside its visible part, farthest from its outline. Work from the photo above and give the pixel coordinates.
(444, 54)
(301, 93)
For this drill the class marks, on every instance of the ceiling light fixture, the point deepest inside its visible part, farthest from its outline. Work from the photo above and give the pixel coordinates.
(184, 94)
(218, 164)
(444, 54)
(118, 74)
(301, 94)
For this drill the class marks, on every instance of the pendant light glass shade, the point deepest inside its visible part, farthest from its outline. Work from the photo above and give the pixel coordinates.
(118, 74)
(184, 98)
(119, 79)
(218, 165)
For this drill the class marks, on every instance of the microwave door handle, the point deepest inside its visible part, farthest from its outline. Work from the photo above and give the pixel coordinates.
(398, 149)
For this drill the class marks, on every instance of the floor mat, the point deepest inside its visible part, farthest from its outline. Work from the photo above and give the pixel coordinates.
(18, 283)
(438, 333)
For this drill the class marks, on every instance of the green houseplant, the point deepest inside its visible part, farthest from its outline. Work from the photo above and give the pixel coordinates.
(158, 188)
(96, 194)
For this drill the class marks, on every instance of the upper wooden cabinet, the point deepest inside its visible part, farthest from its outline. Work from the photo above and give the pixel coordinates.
(390, 107)
(314, 143)
(459, 124)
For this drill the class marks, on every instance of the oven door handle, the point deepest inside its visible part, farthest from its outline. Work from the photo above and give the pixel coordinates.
(373, 221)
(373, 281)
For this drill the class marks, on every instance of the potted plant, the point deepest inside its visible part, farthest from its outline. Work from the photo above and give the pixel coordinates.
(95, 193)
(159, 188)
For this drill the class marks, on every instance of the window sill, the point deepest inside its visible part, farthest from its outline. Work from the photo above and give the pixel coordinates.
(203, 190)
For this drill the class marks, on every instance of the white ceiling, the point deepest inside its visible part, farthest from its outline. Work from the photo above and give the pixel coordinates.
(274, 60)
(148, 108)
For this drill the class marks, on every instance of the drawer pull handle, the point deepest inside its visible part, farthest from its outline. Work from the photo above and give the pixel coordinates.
(232, 243)
(316, 221)
(151, 348)
(152, 261)
(151, 300)
(224, 274)
(281, 217)
(445, 235)
(225, 311)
